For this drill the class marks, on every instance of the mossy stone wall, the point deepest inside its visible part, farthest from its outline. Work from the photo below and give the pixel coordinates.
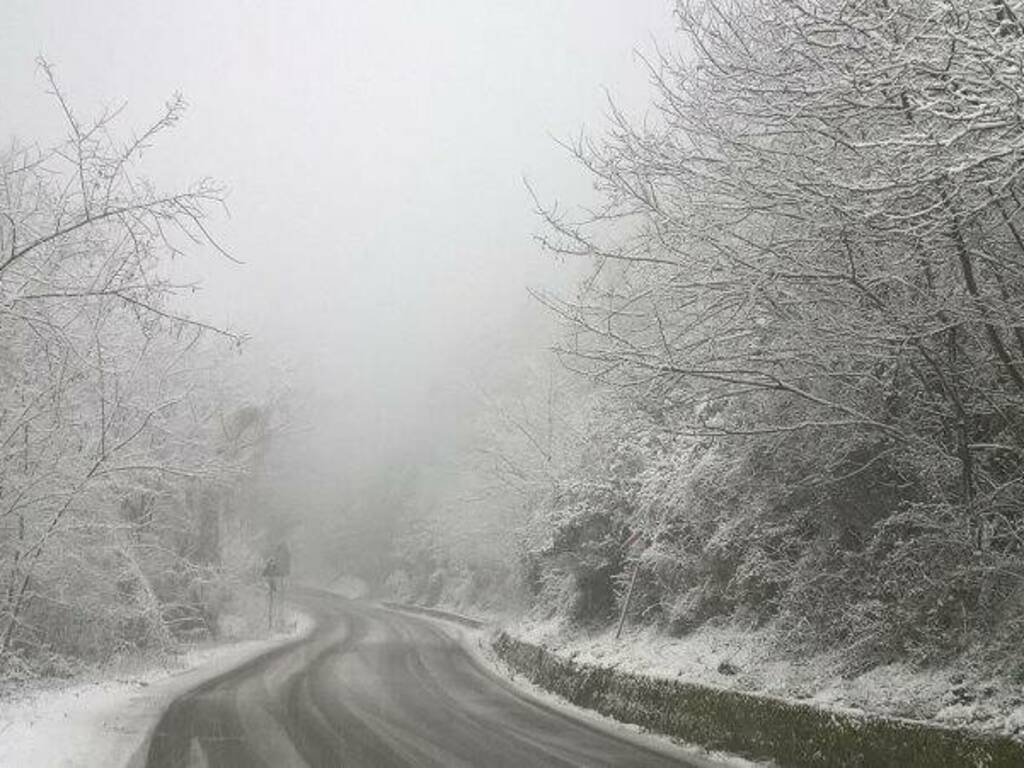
(758, 727)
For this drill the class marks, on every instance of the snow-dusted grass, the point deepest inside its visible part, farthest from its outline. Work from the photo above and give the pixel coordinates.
(102, 718)
(957, 695)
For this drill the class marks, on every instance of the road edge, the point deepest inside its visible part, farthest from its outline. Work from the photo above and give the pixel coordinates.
(749, 726)
(131, 746)
(483, 653)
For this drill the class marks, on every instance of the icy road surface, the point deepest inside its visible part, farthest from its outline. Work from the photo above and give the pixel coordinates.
(372, 688)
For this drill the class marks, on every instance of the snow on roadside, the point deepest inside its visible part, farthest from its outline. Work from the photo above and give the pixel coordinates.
(947, 696)
(105, 722)
(691, 753)
(477, 642)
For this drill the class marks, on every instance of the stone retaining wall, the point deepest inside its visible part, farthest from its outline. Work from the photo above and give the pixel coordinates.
(757, 727)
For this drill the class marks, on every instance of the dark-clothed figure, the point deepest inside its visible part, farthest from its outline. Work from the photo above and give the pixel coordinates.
(276, 568)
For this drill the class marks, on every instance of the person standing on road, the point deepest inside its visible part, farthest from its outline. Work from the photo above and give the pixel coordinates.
(275, 570)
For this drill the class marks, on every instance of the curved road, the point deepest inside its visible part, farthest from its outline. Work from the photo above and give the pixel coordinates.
(373, 688)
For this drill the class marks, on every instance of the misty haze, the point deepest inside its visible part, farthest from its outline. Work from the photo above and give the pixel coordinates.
(506, 384)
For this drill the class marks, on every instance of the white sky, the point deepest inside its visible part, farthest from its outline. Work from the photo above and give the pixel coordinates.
(374, 151)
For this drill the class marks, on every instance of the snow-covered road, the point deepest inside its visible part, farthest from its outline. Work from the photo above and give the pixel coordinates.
(378, 689)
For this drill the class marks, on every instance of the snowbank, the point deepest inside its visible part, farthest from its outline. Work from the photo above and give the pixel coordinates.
(105, 722)
(953, 696)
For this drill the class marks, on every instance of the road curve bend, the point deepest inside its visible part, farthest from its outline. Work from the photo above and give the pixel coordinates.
(373, 688)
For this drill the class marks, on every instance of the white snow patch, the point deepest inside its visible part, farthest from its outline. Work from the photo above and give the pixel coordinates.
(346, 585)
(105, 722)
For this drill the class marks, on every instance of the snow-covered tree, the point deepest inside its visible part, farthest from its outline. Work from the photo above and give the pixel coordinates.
(111, 426)
(812, 250)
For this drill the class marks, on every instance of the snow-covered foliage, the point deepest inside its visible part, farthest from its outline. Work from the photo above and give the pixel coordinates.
(122, 440)
(804, 337)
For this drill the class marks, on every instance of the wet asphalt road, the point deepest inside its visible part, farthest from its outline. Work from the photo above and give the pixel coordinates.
(373, 688)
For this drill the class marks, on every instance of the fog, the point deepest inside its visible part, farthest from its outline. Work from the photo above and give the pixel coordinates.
(375, 155)
(739, 409)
